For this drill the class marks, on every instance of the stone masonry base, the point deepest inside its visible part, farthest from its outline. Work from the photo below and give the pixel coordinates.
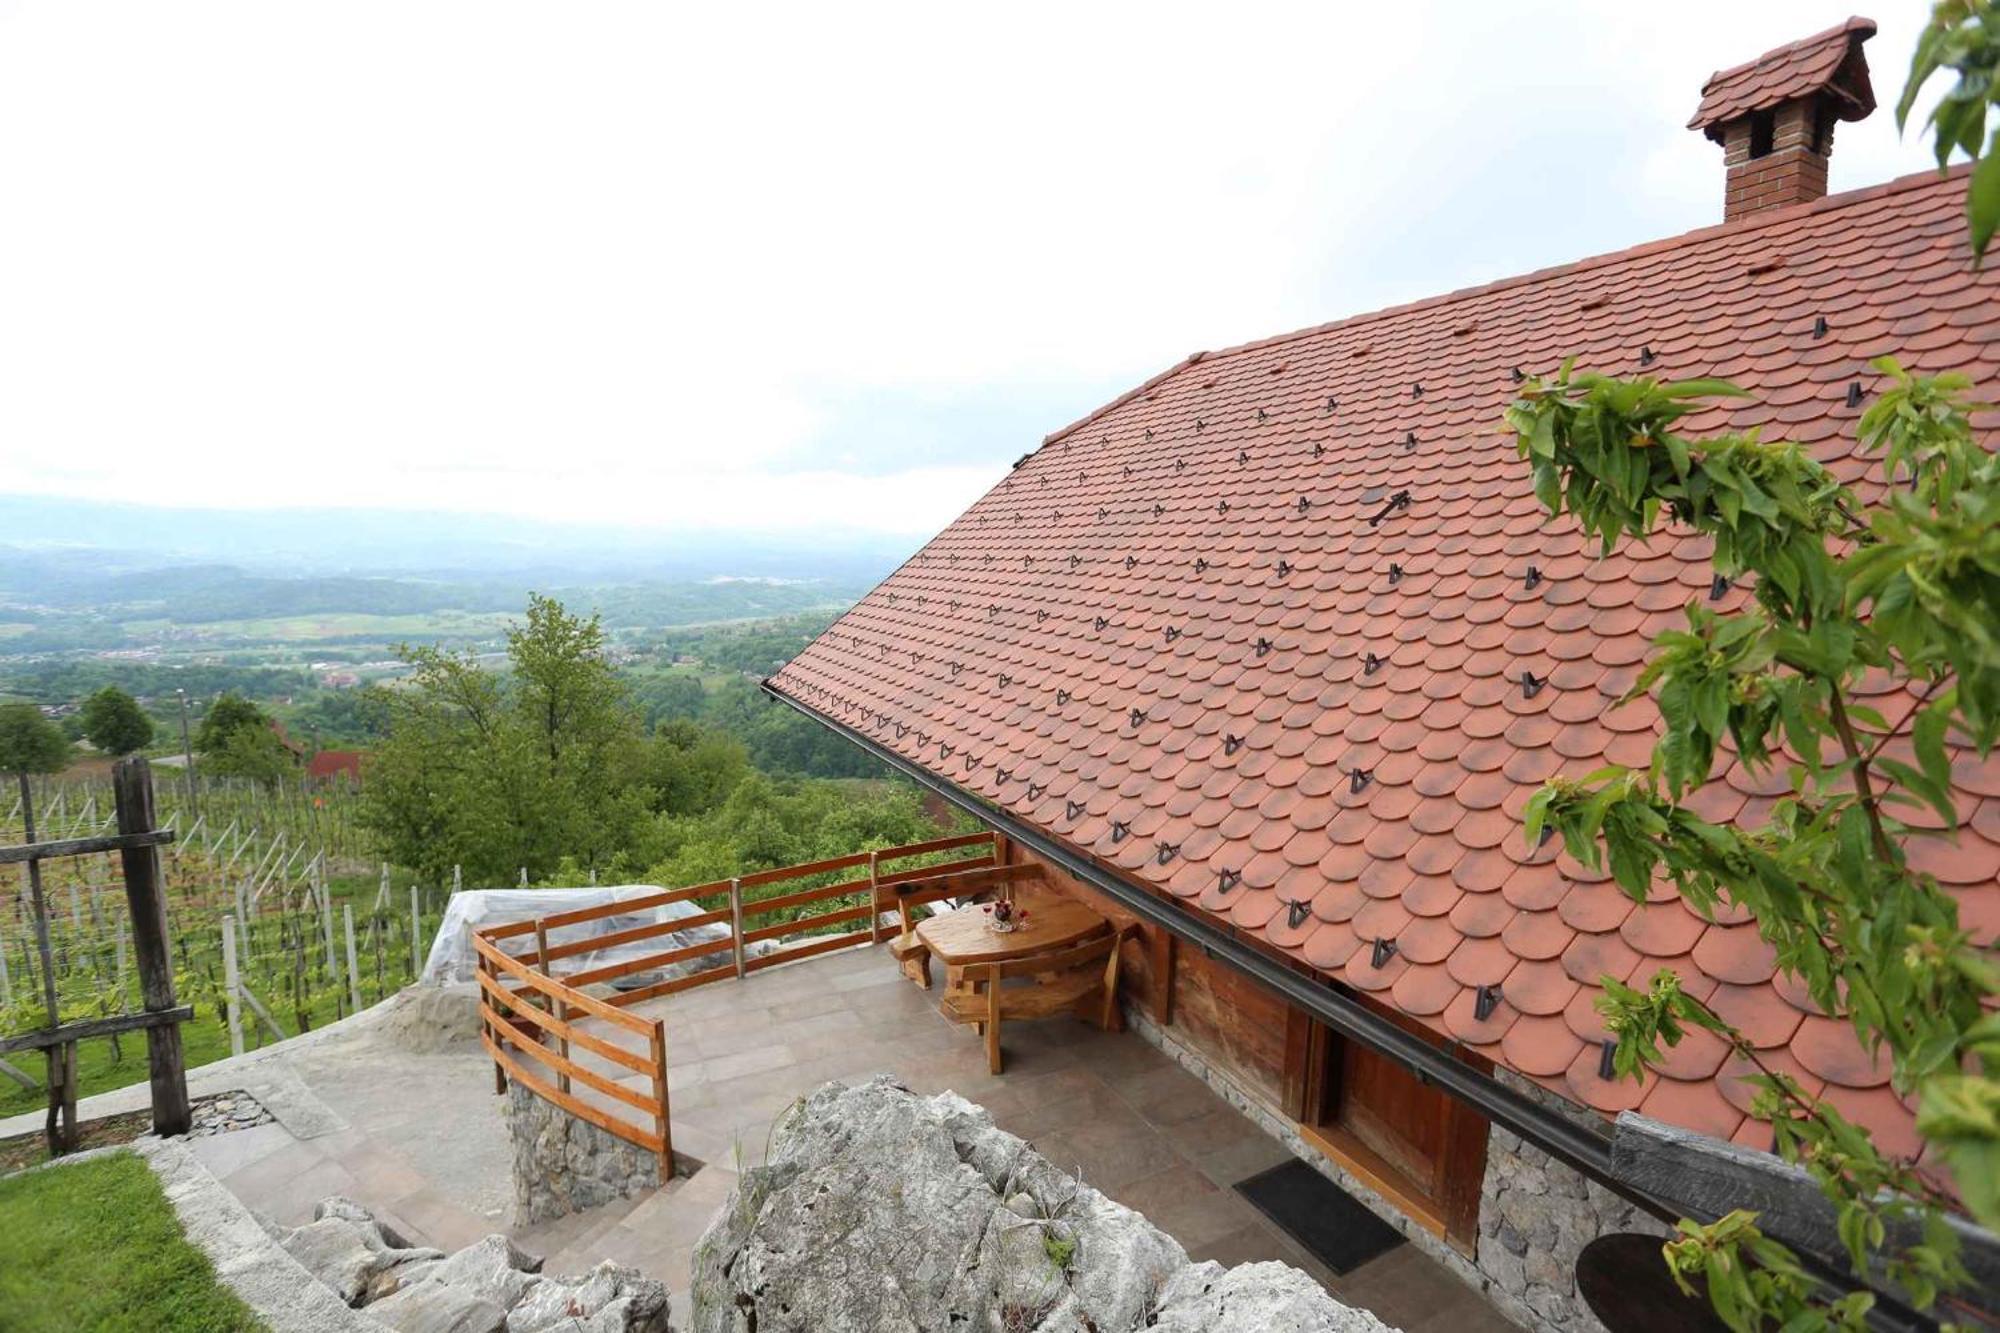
(1535, 1214)
(564, 1165)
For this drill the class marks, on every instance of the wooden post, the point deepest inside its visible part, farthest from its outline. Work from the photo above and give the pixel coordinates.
(41, 910)
(874, 899)
(6, 983)
(231, 994)
(560, 1007)
(486, 1003)
(67, 1060)
(1163, 977)
(524, 877)
(661, 1123)
(60, 1128)
(736, 924)
(457, 880)
(326, 918)
(353, 968)
(416, 936)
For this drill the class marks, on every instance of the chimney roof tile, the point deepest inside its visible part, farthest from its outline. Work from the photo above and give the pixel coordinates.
(1796, 69)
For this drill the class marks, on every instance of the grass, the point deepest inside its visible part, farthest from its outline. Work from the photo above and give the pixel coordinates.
(96, 1246)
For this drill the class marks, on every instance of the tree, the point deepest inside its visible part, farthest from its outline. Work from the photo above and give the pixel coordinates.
(30, 743)
(691, 768)
(228, 714)
(1895, 582)
(1964, 37)
(251, 752)
(494, 774)
(114, 722)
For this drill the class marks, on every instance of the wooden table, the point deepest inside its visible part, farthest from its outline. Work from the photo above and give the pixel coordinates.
(965, 935)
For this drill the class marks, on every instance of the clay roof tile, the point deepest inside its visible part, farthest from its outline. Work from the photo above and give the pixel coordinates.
(1372, 755)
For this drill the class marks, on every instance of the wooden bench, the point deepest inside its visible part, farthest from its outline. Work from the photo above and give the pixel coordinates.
(1080, 980)
(912, 955)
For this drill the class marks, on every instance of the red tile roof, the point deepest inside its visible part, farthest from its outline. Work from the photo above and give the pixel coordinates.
(1798, 69)
(1199, 637)
(335, 763)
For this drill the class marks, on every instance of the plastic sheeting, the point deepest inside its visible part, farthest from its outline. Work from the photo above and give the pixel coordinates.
(452, 959)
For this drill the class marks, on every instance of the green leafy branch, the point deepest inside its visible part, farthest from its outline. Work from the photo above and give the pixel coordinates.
(1844, 592)
(1963, 37)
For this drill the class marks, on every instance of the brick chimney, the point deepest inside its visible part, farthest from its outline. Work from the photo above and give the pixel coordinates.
(1774, 117)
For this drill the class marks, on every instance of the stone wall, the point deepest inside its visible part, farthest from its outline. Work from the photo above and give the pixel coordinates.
(1535, 1214)
(1535, 1217)
(564, 1165)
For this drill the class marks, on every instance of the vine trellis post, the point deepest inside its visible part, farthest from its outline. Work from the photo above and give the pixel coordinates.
(138, 842)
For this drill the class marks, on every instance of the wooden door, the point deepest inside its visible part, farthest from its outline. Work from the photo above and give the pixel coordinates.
(1417, 1146)
(1389, 1111)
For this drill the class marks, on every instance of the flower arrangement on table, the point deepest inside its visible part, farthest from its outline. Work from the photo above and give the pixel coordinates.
(1004, 915)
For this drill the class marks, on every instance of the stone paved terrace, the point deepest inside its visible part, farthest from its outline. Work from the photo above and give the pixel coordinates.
(418, 1137)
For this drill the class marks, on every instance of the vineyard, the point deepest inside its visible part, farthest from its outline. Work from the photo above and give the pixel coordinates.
(268, 886)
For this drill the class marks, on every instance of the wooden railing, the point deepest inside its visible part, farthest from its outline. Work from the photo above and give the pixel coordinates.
(539, 1022)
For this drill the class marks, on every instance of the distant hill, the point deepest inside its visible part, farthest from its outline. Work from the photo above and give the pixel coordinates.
(460, 547)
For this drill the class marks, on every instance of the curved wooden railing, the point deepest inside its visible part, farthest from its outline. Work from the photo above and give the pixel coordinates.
(538, 1023)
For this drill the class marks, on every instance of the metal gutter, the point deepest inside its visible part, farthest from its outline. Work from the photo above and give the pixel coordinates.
(1574, 1145)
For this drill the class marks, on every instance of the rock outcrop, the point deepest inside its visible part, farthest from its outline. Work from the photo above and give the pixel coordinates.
(487, 1287)
(883, 1210)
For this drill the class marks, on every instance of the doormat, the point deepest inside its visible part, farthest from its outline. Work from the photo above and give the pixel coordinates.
(1335, 1229)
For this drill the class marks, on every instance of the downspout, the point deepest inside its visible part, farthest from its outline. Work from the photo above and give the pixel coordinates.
(1572, 1144)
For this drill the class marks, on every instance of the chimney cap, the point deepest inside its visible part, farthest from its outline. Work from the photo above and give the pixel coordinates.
(1828, 62)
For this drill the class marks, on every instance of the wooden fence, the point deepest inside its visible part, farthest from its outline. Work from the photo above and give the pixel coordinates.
(533, 1011)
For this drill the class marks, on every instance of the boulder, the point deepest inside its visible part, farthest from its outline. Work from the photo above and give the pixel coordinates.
(1253, 1298)
(492, 1269)
(438, 1307)
(353, 1254)
(427, 1019)
(386, 1237)
(883, 1210)
(337, 1252)
(608, 1299)
(489, 1286)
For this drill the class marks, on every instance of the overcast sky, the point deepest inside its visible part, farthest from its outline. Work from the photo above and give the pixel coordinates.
(773, 267)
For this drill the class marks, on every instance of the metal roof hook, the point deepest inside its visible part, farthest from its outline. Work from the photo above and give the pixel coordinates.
(1384, 950)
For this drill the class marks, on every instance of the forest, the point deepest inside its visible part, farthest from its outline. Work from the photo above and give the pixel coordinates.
(557, 760)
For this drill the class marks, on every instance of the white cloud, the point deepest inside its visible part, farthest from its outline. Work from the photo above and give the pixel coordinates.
(647, 262)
